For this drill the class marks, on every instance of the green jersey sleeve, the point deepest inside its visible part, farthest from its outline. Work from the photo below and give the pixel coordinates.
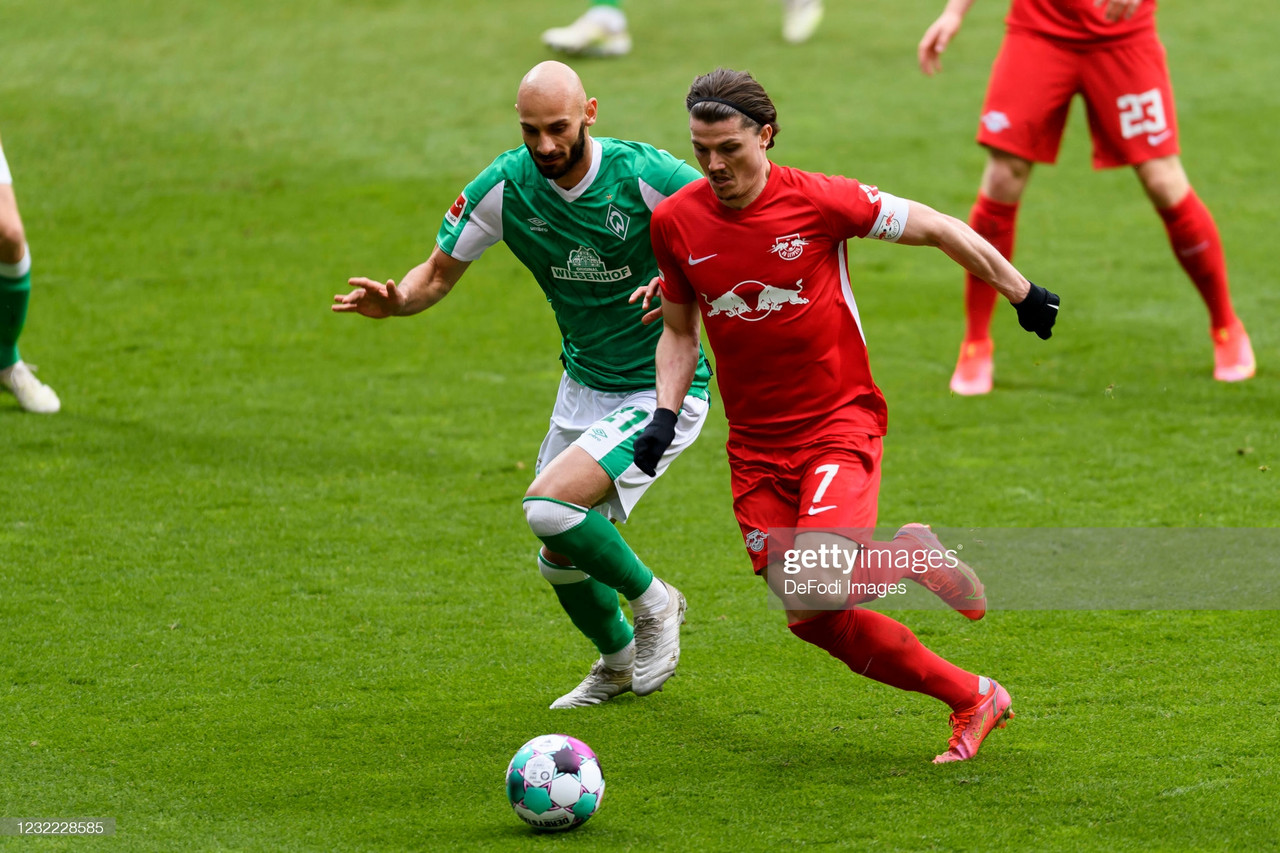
(474, 222)
(662, 174)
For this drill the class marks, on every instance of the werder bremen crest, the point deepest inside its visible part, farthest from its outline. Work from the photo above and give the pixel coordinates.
(584, 264)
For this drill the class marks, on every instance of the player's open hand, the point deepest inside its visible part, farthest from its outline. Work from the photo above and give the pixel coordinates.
(1118, 10)
(370, 298)
(649, 294)
(1038, 311)
(935, 41)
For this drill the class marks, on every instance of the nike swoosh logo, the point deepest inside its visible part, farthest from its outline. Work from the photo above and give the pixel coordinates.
(1154, 139)
(814, 510)
(694, 263)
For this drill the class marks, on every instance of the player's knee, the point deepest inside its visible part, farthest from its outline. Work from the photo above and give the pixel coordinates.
(548, 517)
(13, 241)
(1005, 177)
(559, 575)
(1164, 180)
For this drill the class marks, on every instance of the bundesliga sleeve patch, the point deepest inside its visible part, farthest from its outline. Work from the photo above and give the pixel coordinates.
(455, 212)
(892, 220)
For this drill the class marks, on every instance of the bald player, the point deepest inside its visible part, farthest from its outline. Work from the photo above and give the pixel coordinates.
(575, 210)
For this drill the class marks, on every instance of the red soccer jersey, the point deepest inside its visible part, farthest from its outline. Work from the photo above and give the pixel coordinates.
(772, 283)
(1078, 21)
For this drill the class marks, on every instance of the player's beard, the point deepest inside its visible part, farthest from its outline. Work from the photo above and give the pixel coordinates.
(577, 151)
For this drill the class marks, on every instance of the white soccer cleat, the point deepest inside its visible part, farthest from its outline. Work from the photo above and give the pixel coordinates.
(800, 19)
(33, 395)
(600, 685)
(601, 31)
(658, 644)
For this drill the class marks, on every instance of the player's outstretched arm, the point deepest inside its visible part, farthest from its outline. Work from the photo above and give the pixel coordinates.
(939, 35)
(421, 287)
(1037, 307)
(677, 360)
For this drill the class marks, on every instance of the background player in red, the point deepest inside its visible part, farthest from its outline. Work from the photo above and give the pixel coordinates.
(760, 250)
(1107, 51)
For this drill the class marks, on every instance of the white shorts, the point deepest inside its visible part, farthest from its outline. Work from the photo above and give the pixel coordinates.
(5, 176)
(606, 425)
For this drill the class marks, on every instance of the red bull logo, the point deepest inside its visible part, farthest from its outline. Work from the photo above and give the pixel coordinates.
(754, 300)
(789, 247)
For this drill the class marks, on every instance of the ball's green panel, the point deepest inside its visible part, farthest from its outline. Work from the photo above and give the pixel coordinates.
(515, 786)
(585, 806)
(525, 753)
(537, 800)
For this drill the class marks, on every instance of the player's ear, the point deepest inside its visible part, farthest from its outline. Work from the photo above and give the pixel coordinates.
(766, 136)
(589, 117)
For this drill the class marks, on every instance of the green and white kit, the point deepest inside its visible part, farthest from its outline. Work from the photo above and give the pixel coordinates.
(588, 248)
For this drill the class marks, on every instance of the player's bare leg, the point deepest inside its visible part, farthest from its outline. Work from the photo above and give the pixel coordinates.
(1194, 237)
(557, 506)
(994, 217)
(868, 568)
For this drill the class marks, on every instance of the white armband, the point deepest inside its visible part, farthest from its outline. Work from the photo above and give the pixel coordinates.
(892, 220)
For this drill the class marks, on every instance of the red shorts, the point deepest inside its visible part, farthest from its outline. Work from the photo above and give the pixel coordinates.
(1126, 90)
(834, 482)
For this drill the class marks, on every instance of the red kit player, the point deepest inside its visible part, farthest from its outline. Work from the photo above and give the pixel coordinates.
(758, 252)
(1107, 51)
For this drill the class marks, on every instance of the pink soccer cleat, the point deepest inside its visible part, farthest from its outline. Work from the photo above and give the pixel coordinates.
(974, 368)
(957, 584)
(1232, 354)
(971, 726)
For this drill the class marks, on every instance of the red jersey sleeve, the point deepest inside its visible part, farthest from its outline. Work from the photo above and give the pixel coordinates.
(850, 208)
(675, 287)
(854, 209)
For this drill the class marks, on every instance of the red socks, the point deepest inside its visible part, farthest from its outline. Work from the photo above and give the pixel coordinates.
(1195, 241)
(995, 222)
(884, 649)
(1192, 233)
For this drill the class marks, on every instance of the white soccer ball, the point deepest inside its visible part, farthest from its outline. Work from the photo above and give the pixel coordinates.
(554, 783)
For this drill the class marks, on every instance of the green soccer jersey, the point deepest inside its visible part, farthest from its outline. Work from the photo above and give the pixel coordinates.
(588, 247)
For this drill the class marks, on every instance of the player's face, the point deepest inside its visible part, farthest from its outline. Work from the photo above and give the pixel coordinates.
(556, 151)
(556, 139)
(733, 158)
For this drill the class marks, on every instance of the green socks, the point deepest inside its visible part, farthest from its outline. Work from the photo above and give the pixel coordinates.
(15, 292)
(592, 607)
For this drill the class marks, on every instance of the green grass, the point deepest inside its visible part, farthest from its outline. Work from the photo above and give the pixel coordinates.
(265, 583)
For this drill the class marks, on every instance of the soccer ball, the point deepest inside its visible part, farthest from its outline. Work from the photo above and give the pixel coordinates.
(554, 783)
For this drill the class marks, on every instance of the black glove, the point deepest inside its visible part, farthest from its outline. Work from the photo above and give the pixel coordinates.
(1038, 311)
(654, 441)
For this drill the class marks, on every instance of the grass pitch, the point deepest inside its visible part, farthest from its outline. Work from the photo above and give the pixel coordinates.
(265, 580)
